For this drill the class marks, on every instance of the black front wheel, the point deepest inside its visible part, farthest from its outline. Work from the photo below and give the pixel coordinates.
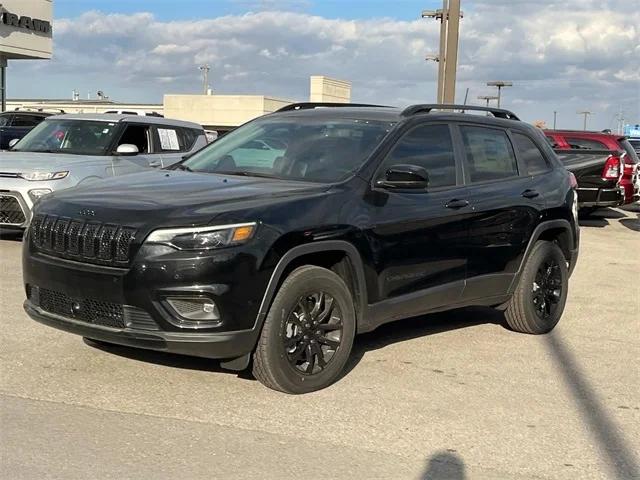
(539, 300)
(308, 334)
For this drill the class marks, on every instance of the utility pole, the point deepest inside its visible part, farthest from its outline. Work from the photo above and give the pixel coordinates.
(447, 59)
(586, 113)
(487, 98)
(205, 74)
(500, 84)
(555, 116)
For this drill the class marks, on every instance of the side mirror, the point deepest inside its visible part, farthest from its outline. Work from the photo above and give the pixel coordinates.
(127, 149)
(400, 177)
(12, 143)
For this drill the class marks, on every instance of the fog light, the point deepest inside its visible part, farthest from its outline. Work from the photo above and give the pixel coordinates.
(195, 309)
(36, 193)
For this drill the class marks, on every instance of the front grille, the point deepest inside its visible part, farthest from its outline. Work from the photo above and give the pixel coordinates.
(84, 241)
(11, 212)
(95, 312)
(91, 311)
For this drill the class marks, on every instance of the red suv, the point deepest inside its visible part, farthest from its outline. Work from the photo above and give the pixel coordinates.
(581, 140)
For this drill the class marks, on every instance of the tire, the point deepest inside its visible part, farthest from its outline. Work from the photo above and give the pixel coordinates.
(280, 361)
(536, 305)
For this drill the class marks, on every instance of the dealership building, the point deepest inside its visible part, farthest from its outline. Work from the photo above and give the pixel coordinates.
(25, 34)
(214, 112)
(26, 30)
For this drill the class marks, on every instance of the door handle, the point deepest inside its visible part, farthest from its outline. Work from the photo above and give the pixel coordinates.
(455, 203)
(155, 164)
(528, 193)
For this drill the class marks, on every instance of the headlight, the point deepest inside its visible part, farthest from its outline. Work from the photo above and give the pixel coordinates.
(40, 176)
(36, 193)
(203, 238)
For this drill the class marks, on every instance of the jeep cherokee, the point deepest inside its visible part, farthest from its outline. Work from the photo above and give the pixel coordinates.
(278, 243)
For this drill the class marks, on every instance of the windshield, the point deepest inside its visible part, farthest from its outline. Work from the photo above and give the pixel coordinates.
(293, 148)
(78, 137)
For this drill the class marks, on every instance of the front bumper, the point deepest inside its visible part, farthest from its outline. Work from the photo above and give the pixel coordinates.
(209, 345)
(129, 306)
(19, 188)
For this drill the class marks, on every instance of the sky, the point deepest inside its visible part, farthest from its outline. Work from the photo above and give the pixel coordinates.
(561, 55)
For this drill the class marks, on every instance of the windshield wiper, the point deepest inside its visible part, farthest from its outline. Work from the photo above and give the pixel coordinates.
(180, 166)
(248, 174)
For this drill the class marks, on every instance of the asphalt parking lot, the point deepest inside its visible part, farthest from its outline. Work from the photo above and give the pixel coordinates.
(448, 396)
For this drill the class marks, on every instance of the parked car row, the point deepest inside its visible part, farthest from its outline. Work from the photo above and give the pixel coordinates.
(606, 166)
(275, 245)
(64, 151)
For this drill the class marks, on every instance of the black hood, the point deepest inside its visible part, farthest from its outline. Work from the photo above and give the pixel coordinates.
(171, 197)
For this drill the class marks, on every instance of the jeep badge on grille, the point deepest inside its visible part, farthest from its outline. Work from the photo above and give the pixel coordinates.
(86, 212)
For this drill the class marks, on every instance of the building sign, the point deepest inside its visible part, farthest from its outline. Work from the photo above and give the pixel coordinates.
(33, 24)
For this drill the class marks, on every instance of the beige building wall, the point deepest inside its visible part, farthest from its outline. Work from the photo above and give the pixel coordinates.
(82, 106)
(325, 89)
(220, 111)
(229, 111)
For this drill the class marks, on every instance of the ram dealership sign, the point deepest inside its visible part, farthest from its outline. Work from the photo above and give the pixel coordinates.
(34, 24)
(26, 29)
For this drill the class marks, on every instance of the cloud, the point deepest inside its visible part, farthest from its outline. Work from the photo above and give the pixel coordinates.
(561, 56)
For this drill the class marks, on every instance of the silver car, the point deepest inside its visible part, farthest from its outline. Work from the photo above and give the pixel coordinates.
(67, 150)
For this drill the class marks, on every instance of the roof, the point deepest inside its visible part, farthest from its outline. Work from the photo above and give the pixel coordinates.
(26, 112)
(393, 114)
(364, 113)
(114, 118)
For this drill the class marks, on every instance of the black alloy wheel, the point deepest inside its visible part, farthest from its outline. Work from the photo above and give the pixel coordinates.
(547, 289)
(312, 332)
(308, 333)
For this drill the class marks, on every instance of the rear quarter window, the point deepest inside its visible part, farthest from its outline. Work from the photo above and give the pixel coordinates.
(585, 144)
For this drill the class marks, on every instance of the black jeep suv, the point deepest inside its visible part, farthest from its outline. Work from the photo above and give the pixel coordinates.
(280, 241)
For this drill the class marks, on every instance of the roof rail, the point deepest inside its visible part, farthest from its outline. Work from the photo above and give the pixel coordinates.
(38, 109)
(312, 105)
(426, 108)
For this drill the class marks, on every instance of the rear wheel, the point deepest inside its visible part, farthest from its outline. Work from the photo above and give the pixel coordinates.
(539, 300)
(308, 333)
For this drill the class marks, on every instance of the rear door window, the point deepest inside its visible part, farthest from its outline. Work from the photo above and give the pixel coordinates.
(489, 154)
(174, 139)
(530, 154)
(26, 120)
(585, 144)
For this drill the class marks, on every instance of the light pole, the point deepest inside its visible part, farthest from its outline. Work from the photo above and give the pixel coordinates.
(487, 98)
(500, 84)
(555, 116)
(205, 74)
(586, 114)
(449, 17)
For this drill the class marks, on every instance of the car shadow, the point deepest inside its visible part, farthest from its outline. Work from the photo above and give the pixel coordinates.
(172, 360)
(599, 218)
(385, 335)
(422, 326)
(12, 235)
(631, 223)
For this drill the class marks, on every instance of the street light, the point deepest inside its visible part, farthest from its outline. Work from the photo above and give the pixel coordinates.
(205, 74)
(500, 84)
(487, 98)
